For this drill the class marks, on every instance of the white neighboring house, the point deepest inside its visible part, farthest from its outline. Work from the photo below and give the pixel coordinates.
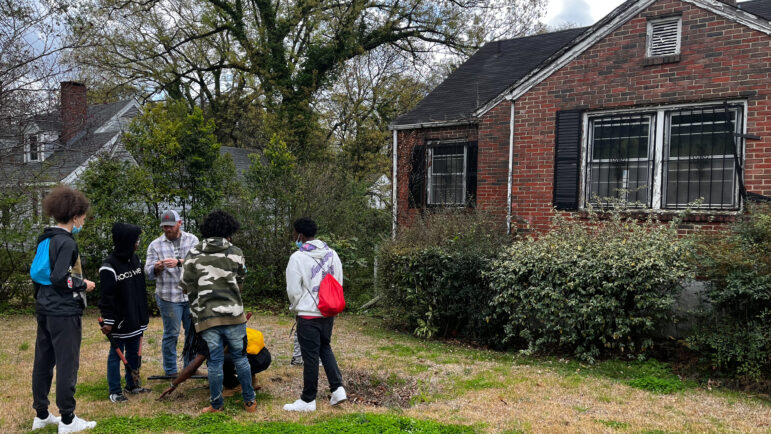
(379, 193)
(57, 147)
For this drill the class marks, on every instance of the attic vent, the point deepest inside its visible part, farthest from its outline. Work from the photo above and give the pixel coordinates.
(664, 37)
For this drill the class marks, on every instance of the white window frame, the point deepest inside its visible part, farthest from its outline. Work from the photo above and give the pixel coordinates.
(28, 149)
(651, 148)
(661, 128)
(649, 36)
(430, 170)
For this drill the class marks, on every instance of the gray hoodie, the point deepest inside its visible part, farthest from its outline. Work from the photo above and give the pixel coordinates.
(306, 268)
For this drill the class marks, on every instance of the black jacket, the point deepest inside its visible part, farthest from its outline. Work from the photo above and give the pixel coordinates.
(122, 283)
(63, 297)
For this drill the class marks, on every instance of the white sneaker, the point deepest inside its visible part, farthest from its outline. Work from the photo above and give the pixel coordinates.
(301, 405)
(338, 396)
(39, 423)
(77, 425)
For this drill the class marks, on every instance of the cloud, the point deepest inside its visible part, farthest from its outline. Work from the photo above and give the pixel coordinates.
(572, 12)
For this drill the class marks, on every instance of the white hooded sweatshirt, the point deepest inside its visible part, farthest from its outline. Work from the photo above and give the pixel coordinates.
(304, 272)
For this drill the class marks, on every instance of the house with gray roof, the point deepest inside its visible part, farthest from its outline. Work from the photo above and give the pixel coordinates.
(56, 147)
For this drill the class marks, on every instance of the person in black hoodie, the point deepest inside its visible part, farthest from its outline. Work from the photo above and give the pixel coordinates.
(59, 302)
(123, 306)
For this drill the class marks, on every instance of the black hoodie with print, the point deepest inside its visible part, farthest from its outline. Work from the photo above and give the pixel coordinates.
(64, 296)
(122, 283)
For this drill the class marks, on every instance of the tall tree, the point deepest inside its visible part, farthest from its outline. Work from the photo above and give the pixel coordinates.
(178, 151)
(284, 50)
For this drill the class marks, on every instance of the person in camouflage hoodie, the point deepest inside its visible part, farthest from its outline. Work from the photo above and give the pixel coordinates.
(212, 277)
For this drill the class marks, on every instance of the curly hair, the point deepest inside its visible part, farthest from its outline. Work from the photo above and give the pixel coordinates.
(219, 224)
(64, 203)
(305, 226)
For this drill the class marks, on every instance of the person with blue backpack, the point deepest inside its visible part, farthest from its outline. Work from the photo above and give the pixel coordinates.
(59, 302)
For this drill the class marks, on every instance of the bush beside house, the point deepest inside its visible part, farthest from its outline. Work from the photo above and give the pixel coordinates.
(734, 336)
(431, 275)
(592, 290)
(596, 288)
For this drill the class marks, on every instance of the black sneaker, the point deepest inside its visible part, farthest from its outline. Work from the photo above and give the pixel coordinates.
(296, 361)
(136, 390)
(118, 397)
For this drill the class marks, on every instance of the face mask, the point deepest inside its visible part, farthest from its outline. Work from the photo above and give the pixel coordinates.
(76, 229)
(298, 243)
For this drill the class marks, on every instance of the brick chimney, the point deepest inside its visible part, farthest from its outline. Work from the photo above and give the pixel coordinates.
(73, 109)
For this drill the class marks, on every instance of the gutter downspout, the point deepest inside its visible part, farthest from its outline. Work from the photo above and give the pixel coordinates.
(394, 190)
(511, 170)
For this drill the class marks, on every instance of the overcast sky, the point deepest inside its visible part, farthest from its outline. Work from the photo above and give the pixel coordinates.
(581, 12)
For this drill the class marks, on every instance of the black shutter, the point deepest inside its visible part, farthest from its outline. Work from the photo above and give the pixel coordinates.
(567, 159)
(417, 198)
(471, 173)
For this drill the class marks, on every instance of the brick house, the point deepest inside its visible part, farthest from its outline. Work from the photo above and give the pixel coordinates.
(661, 102)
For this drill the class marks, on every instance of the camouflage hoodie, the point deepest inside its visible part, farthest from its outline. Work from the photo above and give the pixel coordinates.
(212, 277)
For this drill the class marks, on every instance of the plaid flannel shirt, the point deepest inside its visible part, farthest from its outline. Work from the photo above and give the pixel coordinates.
(167, 280)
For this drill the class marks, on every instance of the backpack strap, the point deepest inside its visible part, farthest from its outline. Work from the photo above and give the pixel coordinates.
(315, 301)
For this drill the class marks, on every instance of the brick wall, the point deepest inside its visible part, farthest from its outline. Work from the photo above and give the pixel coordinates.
(720, 60)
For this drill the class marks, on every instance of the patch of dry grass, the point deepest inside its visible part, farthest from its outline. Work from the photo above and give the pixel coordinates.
(389, 372)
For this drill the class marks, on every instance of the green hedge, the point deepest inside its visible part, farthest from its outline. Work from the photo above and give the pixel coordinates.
(431, 275)
(591, 288)
(734, 335)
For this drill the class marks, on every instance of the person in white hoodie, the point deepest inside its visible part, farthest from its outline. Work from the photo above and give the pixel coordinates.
(307, 266)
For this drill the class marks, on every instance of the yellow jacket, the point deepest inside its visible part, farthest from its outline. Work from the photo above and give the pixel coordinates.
(254, 341)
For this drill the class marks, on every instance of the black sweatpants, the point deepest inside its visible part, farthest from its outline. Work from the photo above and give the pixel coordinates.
(314, 336)
(57, 344)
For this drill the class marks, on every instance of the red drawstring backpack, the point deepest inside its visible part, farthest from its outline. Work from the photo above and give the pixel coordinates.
(331, 298)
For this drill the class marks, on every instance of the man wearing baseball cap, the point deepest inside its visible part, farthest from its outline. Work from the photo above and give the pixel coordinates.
(165, 257)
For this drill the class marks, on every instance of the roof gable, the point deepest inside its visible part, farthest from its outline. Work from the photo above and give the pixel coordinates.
(609, 24)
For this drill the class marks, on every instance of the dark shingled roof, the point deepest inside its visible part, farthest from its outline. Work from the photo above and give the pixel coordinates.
(240, 157)
(492, 69)
(761, 8)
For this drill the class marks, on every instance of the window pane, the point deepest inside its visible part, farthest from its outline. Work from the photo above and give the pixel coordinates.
(628, 181)
(446, 184)
(620, 158)
(711, 179)
(699, 160)
(707, 132)
(33, 148)
(621, 138)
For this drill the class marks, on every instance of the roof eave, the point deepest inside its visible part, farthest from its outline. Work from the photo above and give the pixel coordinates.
(436, 124)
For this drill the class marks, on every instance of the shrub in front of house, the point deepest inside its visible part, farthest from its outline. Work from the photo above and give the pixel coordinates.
(431, 275)
(734, 335)
(591, 288)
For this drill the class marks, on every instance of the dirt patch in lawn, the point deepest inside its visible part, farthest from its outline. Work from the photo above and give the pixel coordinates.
(366, 387)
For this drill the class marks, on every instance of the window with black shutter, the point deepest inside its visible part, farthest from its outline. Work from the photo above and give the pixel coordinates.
(471, 173)
(567, 157)
(417, 179)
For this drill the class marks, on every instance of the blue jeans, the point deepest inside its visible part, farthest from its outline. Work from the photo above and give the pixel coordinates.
(130, 349)
(235, 337)
(172, 313)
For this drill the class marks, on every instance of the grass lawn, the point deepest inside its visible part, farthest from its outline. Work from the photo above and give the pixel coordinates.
(395, 383)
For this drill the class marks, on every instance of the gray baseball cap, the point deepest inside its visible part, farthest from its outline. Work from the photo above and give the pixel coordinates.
(170, 218)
